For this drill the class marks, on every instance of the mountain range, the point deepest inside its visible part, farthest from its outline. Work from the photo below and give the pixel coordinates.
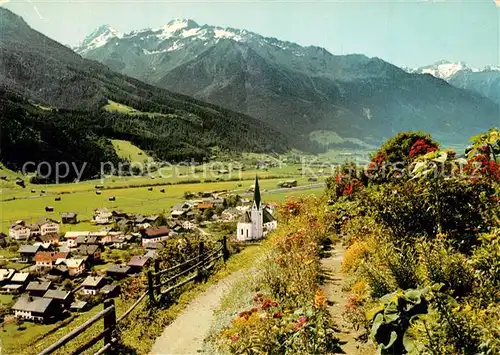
(485, 81)
(304, 92)
(58, 106)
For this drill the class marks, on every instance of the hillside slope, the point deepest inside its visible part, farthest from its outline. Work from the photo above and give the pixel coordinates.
(297, 89)
(40, 70)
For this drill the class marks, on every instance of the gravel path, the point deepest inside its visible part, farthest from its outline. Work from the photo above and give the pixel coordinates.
(186, 334)
(334, 281)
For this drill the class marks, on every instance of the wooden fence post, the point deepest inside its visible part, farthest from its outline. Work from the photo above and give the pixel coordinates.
(157, 276)
(225, 250)
(109, 321)
(151, 289)
(201, 249)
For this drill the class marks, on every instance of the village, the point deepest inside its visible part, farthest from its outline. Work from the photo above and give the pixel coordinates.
(65, 273)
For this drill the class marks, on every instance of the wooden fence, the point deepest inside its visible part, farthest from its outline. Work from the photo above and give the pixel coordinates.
(109, 334)
(193, 269)
(161, 283)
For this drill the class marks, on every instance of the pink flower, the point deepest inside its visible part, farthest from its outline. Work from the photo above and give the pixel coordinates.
(234, 338)
(302, 320)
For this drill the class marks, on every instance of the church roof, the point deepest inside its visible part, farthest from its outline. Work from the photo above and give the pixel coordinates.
(256, 192)
(267, 216)
(246, 218)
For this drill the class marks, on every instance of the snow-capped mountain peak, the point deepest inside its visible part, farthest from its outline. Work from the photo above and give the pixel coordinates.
(445, 69)
(98, 38)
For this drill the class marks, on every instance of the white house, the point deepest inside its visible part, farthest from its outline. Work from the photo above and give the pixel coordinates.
(102, 216)
(48, 226)
(19, 232)
(37, 309)
(257, 222)
(75, 266)
(72, 236)
(92, 285)
(155, 235)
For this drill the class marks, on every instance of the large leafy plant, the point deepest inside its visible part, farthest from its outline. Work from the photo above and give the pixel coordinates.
(391, 320)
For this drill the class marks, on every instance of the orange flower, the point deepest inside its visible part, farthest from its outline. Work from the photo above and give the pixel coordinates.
(319, 299)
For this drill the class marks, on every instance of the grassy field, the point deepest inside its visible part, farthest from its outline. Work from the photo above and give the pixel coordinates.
(134, 199)
(5, 299)
(128, 151)
(131, 193)
(113, 106)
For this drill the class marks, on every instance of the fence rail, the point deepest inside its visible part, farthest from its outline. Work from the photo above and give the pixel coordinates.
(203, 262)
(108, 314)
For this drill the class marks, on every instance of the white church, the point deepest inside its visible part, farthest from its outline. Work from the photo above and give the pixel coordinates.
(257, 222)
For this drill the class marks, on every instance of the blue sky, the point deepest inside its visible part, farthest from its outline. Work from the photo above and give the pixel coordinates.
(407, 33)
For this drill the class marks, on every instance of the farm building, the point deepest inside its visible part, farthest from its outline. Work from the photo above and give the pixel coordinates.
(74, 266)
(117, 271)
(47, 259)
(37, 288)
(92, 285)
(28, 252)
(110, 291)
(69, 218)
(78, 306)
(92, 251)
(138, 262)
(36, 309)
(51, 239)
(62, 298)
(153, 235)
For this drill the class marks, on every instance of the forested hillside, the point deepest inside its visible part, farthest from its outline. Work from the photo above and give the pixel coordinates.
(30, 133)
(37, 69)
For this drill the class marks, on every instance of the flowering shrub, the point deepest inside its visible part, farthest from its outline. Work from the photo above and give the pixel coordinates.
(354, 255)
(291, 316)
(270, 328)
(394, 157)
(481, 166)
(421, 147)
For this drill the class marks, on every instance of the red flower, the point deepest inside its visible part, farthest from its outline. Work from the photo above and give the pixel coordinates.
(348, 189)
(421, 147)
(266, 304)
(379, 159)
(302, 320)
(277, 314)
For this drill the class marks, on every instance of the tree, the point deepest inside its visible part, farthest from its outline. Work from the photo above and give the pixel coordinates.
(208, 213)
(67, 285)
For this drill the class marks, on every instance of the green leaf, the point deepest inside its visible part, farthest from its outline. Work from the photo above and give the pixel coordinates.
(377, 323)
(408, 342)
(413, 296)
(391, 313)
(392, 339)
(373, 312)
(441, 158)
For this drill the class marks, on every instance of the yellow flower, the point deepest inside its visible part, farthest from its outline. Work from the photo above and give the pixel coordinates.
(319, 299)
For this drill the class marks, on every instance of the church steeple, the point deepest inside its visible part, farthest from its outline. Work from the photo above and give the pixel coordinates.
(256, 192)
